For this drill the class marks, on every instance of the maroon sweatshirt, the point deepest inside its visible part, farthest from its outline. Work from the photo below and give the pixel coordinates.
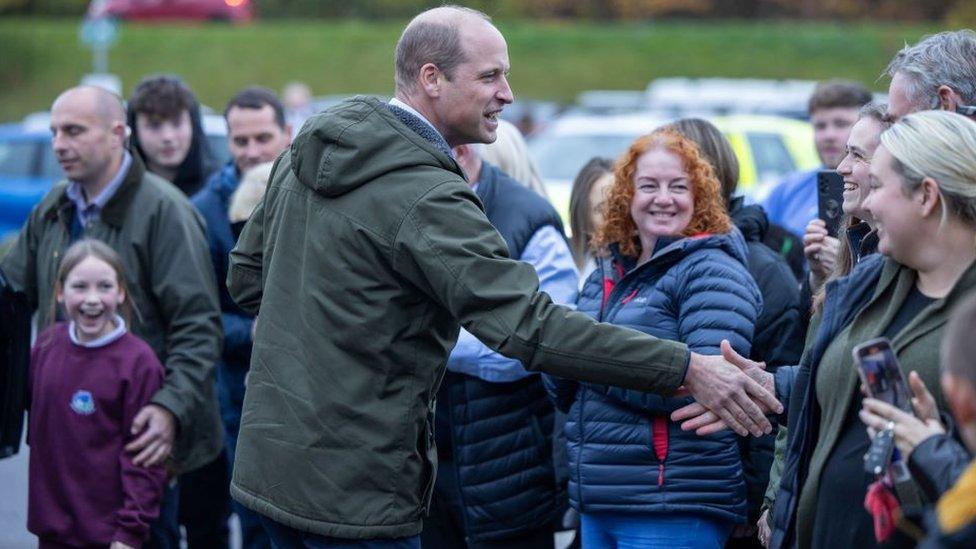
(83, 487)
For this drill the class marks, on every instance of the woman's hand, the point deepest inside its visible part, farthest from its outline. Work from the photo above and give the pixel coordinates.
(909, 430)
(764, 531)
(821, 250)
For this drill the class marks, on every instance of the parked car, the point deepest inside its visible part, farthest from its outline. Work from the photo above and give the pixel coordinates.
(768, 148)
(28, 167)
(237, 11)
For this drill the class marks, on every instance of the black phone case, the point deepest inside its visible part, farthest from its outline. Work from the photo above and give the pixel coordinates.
(830, 197)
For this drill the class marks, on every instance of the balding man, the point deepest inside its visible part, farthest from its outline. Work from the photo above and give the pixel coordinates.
(109, 196)
(368, 252)
(937, 73)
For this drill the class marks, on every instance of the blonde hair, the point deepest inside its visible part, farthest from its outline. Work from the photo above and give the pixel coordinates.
(940, 145)
(511, 154)
(249, 193)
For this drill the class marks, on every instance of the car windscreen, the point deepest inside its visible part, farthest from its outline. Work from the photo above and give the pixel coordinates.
(562, 157)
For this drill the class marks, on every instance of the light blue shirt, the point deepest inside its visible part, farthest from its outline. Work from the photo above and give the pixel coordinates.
(548, 252)
(89, 210)
(793, 203)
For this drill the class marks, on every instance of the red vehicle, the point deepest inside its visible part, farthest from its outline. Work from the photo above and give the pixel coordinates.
(144, 10)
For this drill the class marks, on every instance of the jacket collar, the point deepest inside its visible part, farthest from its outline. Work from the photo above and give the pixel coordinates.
(115, 209)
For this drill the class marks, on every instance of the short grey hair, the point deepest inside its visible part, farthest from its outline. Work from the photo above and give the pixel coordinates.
(430, 38)
(941, 145)
(943, 59)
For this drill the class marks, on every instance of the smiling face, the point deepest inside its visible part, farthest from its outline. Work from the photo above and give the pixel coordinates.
(467, 105)
(166, 141)
(855, 168)
(831, 128)
(663, 202)
(254, 136)
(897, 215)
(91, 296)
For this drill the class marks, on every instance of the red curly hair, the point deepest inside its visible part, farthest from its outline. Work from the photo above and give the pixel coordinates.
(709, 215)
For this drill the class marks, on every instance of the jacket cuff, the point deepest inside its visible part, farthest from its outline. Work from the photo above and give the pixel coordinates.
(169, 400)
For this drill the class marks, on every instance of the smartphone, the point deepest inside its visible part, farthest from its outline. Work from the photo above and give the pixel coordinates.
(830, 197)
(879, 371)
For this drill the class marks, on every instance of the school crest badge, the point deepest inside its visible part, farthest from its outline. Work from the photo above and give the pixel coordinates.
(83, 403)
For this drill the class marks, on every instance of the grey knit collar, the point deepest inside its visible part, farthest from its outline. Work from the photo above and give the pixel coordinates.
(421, 128)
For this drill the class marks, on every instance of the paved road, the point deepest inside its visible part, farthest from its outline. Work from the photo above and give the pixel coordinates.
(13, 503)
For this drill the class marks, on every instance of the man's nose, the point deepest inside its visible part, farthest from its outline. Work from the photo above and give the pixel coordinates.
(505, 94)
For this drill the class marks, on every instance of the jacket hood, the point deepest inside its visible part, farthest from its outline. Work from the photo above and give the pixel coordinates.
(670, 250)
(356, 142)
(751, 220)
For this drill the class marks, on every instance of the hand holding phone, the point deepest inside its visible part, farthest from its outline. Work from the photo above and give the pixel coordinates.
(881, 375)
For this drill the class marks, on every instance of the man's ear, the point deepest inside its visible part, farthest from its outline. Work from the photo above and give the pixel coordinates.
(947, 98)
(930, 195)
(430, 79)
(120, 131)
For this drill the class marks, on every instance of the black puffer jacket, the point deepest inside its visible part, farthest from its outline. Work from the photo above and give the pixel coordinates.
(778, 340)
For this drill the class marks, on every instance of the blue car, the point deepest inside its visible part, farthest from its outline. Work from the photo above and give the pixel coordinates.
(29, 168)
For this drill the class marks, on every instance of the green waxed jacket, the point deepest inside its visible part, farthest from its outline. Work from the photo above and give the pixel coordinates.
(170, 280)
(367, 253)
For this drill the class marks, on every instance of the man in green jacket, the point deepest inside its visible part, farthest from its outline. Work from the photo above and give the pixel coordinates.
(159, 236)
(368, 252)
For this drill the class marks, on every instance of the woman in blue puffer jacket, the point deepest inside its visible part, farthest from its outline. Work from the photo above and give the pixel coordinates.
(672, 266)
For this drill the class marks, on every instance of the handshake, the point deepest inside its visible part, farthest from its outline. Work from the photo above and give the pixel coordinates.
(731, 392)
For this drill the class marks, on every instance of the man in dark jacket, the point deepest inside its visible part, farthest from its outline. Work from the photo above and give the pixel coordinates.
(368, 251)
(159, 236)
(496, 481)
(256, 133)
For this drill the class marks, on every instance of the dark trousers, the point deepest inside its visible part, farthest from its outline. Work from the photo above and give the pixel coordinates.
(284, 537)
(205, 505)
(230, 393)
(444, 526)
(164, 533)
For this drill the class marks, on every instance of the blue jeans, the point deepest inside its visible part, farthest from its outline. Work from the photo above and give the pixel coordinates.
(672, 531)
(285, 537)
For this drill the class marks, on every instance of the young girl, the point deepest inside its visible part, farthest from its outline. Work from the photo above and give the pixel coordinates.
(88, 379)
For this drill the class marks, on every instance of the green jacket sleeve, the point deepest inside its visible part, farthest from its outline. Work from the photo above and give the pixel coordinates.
(182, 282)
(244, 275)
(776, 471)
(447, 248)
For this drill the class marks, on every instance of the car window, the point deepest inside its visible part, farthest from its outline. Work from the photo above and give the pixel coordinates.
(17, 158)
(561, 157)
(770, 155)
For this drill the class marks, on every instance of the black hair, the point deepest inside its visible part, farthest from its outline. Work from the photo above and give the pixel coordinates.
(256, 97)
